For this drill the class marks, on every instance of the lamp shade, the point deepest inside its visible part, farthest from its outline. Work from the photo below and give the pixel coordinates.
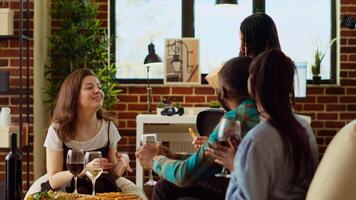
(152, 57)
(226, 2)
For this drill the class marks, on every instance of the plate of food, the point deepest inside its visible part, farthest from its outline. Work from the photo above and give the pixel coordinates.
(51, 195)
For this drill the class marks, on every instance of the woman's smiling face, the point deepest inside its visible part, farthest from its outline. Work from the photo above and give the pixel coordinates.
(91, 96)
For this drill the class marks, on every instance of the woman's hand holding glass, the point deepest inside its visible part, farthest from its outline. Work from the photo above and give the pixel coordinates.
(146, 153)
(224, 155)
(224, 150)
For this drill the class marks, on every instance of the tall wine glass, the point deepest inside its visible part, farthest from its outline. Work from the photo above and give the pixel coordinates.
(93, 166)
(75, 164)
(149, 139)
(228, 128)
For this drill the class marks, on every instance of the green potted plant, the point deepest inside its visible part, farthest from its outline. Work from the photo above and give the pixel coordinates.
(79, 41)
(318, 57)
(214, 104)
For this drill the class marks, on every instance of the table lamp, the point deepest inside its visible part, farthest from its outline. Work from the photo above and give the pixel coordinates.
(152, 57)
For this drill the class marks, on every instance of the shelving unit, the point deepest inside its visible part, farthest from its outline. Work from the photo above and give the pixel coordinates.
(21, 37)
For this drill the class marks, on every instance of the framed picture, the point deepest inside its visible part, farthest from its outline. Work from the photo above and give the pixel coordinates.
(181, 61)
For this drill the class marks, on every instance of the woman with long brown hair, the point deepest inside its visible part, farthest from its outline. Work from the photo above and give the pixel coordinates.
(79, 123)
(278, 157)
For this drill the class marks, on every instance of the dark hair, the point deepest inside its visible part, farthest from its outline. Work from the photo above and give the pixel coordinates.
(259, 33)
(65, 111)
(271, 83)
(234, 75)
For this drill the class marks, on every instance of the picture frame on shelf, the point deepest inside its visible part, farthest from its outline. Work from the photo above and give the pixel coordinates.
(181, 61)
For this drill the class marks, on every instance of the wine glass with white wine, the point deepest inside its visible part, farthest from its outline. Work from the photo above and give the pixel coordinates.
(93, 166)
(75, 164)
(228, 128)
(149, 139)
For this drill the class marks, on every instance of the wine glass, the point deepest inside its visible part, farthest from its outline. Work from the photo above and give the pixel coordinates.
(228, 128)
(75, 164)
(149, 139)
(93, 166)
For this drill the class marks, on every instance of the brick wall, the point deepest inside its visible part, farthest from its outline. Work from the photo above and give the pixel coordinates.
(330, 106)
(9, 61)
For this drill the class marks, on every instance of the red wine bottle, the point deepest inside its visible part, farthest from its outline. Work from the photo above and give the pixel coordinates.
(13, 176)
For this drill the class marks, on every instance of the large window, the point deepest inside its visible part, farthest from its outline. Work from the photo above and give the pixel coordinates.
(302, 26)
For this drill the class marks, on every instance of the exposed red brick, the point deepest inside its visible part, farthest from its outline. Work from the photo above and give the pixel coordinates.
(347, 32)
(337, 90)
(327, 116)
(313, 107)
(326, 132)
(140, 107)
(137, 90)
(182, 90)
(4, 63)
(349, 116)
(119, 106)
(155, 98)
(319, 140)
(327, 99)
(348, 49)
(347, 66)
(131, 124)
(160, 90)
(335, 107)
(351, 107)
(197, 99)
(334, 124)
(4, 100)
(128, 115)
(298, 107)
(307, 99)
(343, 74)
(207, 90)
(315, 90)
(351, 91)
(317, 124)
(352, 57)
(347, 82)
(348, 99)
(173, 99)
(128, 98)
(211, 98)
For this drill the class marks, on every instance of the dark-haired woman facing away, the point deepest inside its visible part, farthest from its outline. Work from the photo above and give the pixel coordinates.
(278, 157)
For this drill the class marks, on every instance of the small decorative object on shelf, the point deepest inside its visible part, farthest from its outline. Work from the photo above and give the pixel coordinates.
(13, 176)
(6, 18)
(318, 58)
(214, 104)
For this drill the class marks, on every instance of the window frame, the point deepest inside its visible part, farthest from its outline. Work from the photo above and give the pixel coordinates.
(188, 31)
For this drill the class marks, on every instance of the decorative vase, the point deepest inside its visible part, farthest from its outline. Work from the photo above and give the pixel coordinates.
(316, 79)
